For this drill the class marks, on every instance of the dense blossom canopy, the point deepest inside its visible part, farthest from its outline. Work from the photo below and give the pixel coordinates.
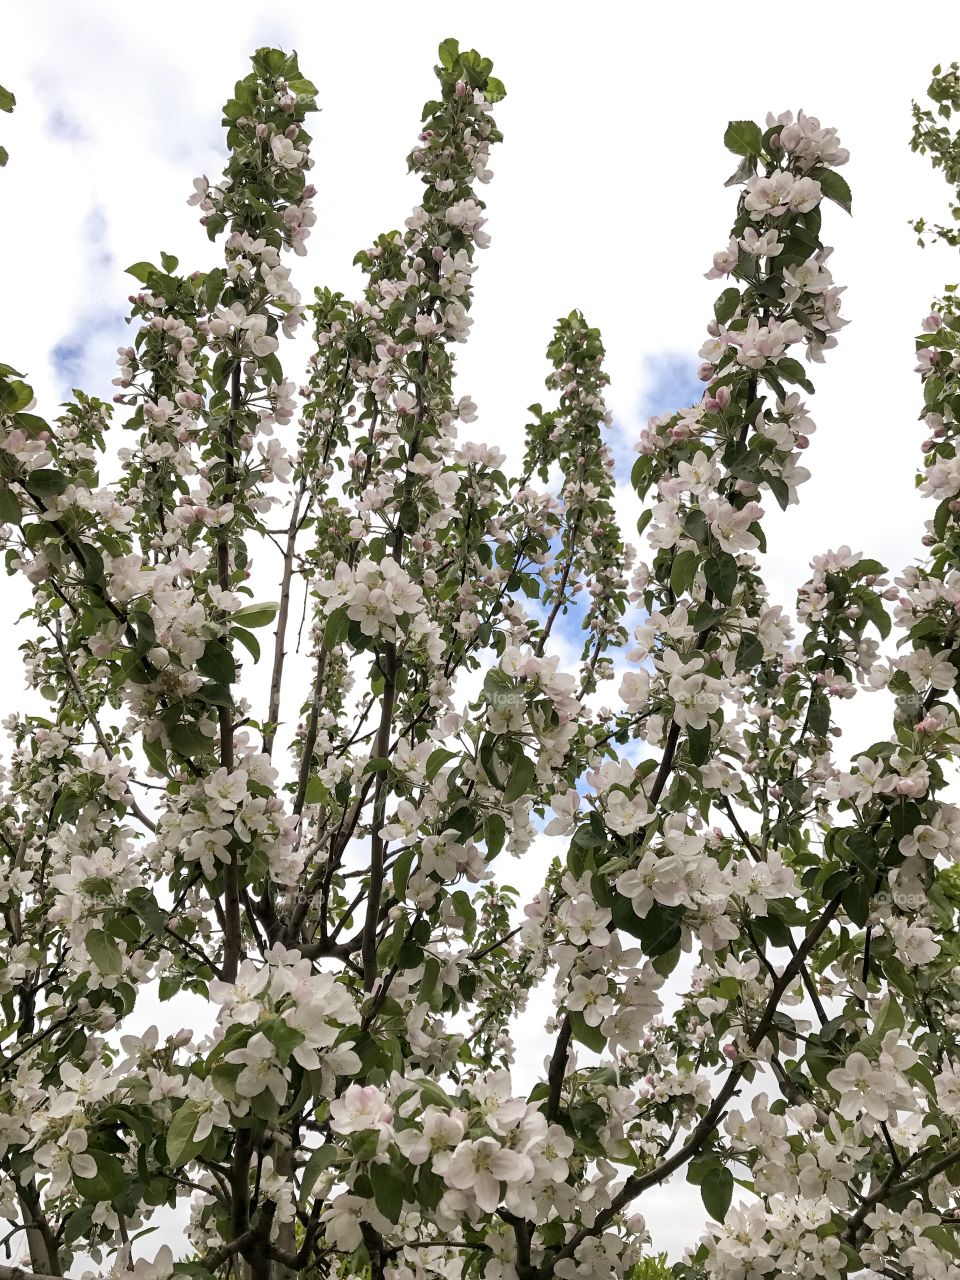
(750, 942)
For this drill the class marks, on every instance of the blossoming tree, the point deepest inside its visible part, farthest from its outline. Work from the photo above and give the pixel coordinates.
(750, 943)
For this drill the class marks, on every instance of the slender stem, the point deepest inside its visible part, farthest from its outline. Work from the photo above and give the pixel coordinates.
(371, 923)
(310, 741)
(233, 926)
(279, 651)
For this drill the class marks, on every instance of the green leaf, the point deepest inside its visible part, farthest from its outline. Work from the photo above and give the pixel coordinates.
(856, 900)
(436, 760)
(187, 740)
(521, 779)
(721, 574)
(744, 170)
(592, 1037)
(749, 652)
(110, 1179)
(335, 632)
(890, 1016)
(743, 138)
(818, 716)
(866, 567)
(7, 100)
(364, 1144)
(874, 609)
(449, 52)
(932, 389)
(14, 396)
(791, 370)
(46, 483)
(658, 931)
(409, 516)
(683, 571)
(170, 263)
(388, 1183)
(834, 187)
(142, 901)
(716, 1191)
(217, 662)
(465, 910)
(249, 642)
(168, 987)
(726, 305)
(323, 1158)
(317, 792)
(104, 952)
(494, 90)
(156, 755)
(698, 744)
(494, 833)
(401, 872)
(212, 288)
(142, 271)
(282, 1036)
(695, 526)
(10, 511)
(255, 615)
(302, 88)
(180, 1144)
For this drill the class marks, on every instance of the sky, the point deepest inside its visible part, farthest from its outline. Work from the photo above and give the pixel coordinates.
(608, 196)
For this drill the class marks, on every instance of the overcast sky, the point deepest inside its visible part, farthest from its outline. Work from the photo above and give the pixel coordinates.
(608, 196)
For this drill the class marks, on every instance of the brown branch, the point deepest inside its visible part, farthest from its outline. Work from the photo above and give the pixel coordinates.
(279, 652)
(558, 1067)
(233, 925)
